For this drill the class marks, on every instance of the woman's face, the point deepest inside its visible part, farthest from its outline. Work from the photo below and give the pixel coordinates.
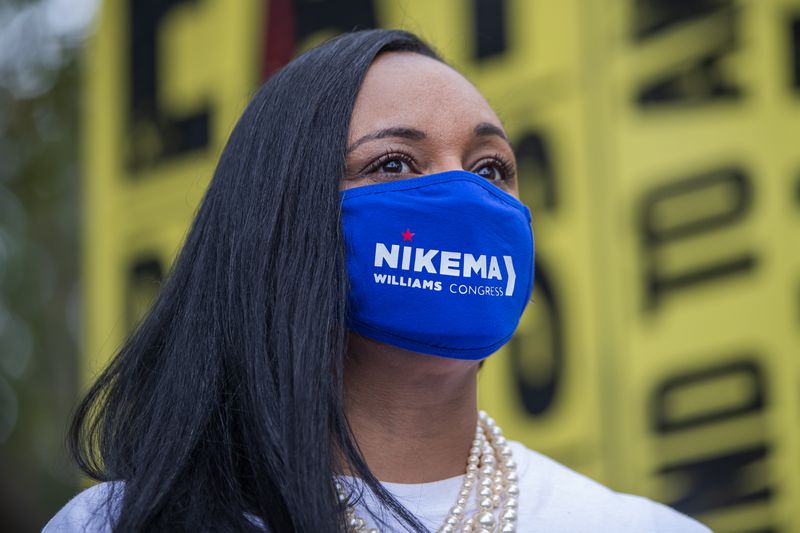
(413, 116)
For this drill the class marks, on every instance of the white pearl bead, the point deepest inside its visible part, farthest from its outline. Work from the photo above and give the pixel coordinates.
(486, 519)
(509, 515)
(491, 464)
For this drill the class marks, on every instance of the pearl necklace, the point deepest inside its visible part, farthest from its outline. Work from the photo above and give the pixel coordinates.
(491, 472)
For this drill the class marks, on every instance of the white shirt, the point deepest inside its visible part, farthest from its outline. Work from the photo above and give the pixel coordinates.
(552, 499)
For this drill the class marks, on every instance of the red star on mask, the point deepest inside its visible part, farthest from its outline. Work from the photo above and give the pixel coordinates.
(407, 235)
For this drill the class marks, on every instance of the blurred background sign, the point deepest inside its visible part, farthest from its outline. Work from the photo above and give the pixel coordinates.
(659, 150)
(165, 83)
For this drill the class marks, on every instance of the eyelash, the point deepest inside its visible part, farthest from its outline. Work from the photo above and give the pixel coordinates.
(506, 166)
(389, 155)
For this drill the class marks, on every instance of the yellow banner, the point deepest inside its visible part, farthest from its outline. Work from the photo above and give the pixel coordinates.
(658, 150)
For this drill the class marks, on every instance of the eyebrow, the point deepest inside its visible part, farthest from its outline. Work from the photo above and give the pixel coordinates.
(481, 130)
(405, 133)
(484, 128)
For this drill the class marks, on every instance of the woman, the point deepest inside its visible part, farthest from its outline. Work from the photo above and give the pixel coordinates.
(359, 250)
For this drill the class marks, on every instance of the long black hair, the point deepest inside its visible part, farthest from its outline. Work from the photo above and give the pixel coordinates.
(225, 404)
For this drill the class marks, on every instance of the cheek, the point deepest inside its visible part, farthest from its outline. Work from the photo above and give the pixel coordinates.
(511, 188)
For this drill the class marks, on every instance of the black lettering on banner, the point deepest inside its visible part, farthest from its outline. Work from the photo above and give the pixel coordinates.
(797, 190)
(719, 482)
(794, 50)
(154, 133)
(278, 37)
(651, 17)
(709, 29)
(536, 174)
(490, 28)
(537, 349)
(291, 23)
(691, 217)
(334, 16)
(144, 278)
(745, 374)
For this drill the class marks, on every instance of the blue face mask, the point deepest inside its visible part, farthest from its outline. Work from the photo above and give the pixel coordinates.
(441, 264)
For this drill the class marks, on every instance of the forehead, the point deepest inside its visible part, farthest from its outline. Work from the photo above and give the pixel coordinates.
(417, 91)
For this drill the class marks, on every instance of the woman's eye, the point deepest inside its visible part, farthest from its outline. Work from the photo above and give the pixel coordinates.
(394, 166)
(391, 165)
(492, 172)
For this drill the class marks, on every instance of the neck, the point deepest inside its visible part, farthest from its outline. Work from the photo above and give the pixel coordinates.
(413, 415)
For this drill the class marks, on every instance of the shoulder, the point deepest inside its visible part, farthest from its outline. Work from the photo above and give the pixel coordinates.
(91, 510)
(564, 500)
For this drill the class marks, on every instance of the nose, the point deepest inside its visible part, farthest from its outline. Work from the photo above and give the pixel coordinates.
(445, 163)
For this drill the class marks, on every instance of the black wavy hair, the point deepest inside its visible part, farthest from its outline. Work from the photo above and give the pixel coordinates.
(224, 406)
